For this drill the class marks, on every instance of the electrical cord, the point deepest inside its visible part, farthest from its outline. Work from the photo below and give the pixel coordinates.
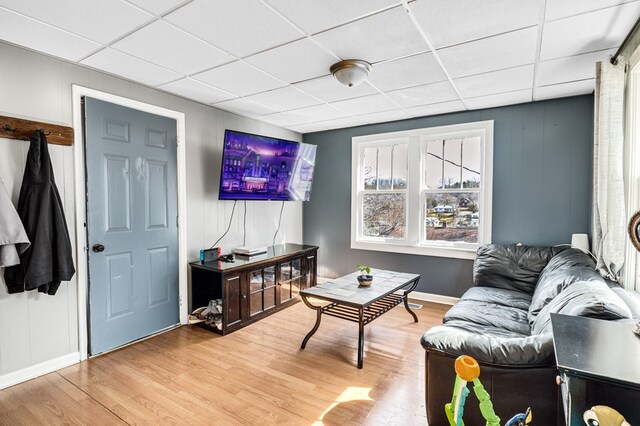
(279, 222)
(244, 235)
(229, 227)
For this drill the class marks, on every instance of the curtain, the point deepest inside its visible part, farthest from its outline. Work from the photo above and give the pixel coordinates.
(609, 213)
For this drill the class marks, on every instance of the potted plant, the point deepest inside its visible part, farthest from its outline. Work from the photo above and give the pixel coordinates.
(365, 276)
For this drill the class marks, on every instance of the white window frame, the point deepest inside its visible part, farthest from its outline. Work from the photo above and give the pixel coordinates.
(415, 241)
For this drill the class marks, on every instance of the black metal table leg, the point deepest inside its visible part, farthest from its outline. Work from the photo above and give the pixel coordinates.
(360, 337)
(318, 310)
(405, 296)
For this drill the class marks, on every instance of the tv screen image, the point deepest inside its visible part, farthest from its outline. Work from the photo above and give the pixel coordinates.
(258, 167)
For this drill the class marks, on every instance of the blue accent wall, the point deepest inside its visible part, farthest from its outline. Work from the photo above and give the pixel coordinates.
(542, 179)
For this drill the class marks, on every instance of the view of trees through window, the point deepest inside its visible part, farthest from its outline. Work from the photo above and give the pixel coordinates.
(451, 189)
(384, 199)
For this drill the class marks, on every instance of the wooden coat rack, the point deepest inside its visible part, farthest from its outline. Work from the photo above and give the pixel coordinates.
(17, 128)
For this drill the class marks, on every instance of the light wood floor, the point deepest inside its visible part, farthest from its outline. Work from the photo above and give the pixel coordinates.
(257, 375)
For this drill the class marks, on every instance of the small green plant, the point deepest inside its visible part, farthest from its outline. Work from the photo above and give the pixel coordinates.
(364, 269)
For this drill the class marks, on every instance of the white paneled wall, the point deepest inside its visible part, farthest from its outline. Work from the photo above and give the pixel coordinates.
(36, 329)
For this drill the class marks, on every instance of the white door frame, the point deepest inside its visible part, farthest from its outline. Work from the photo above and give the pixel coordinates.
(80, 202)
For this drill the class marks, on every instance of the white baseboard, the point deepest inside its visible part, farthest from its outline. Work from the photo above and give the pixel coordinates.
(37, 370)
(430, 297)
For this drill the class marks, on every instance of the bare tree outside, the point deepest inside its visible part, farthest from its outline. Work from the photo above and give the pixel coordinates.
(384, 201)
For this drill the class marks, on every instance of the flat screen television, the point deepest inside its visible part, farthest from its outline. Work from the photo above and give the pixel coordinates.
(258, 167)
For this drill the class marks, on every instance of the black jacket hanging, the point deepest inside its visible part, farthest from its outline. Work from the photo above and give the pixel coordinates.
(48, 260)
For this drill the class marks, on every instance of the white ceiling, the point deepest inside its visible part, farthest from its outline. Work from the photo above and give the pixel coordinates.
(270, 59)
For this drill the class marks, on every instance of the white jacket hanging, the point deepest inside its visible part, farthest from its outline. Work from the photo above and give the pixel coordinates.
(13, 238)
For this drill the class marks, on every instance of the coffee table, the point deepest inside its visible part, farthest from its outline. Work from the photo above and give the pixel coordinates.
(359, 304)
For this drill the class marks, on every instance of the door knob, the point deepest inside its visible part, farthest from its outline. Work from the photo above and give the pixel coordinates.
(97, 248)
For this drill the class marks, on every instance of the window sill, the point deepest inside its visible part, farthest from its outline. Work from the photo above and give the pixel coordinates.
(451, 252)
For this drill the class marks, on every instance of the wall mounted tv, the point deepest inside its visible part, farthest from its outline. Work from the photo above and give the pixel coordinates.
(258, 167)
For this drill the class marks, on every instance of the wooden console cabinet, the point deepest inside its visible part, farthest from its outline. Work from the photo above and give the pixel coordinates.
(254, 287)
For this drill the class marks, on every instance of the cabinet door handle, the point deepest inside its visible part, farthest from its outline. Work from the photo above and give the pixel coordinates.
(244, 296)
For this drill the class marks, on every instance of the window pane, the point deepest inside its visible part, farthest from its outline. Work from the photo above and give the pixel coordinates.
(452, 217)
(433, 165)
(269, 276)
(369, 168)
(285, 272)
(383, 215)
(400, 167)
(255, 282)
(452, 152)
(256, 303)
(269, 297)
(471, 159)
(295, 268)
(384, 167)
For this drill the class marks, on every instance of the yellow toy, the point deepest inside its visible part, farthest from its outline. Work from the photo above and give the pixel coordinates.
(601, 415)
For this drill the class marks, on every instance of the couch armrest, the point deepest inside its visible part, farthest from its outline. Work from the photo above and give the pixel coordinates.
(514, 352)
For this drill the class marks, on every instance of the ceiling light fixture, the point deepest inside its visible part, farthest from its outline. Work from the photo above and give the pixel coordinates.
(350, 72)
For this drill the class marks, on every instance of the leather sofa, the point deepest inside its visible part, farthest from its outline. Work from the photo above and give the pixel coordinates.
(504, 323)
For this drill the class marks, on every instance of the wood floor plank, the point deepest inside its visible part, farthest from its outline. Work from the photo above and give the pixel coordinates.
(257, 375)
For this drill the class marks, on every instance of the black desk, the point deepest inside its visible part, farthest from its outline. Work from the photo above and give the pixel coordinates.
(599, 364)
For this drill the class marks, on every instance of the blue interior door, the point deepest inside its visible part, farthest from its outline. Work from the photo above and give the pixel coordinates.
(132, 229)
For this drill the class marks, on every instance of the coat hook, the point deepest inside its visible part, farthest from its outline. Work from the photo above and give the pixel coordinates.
(7, 128)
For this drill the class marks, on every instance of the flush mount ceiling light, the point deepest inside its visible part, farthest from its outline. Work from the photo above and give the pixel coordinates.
(350, 72)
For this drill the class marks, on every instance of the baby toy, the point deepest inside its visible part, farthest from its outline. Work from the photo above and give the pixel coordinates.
(601, 415)
(468, 370)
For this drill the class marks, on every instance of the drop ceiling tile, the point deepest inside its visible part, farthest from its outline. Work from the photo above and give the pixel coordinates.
(192, 89)
(284, 119)
(573, 88)
(308, 128)
(406, 72)
(240, 27)
(381, 117)
(338, 123)
(167, 46)
(244, 107)
(123, 65)
(508, 80)
(423, 95)
(320, 112)
(35, 35)
(490, 54)
(457, 21)
(562, 8)
(329, 89)
(284, 99)
(599, 30)
(102, 21)
(293, 62)
(435, 109)
(501, 99)
(313, 17)
(239, 78)
(157, 7)
(572, 68)
(379, 37)
(366, 104)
